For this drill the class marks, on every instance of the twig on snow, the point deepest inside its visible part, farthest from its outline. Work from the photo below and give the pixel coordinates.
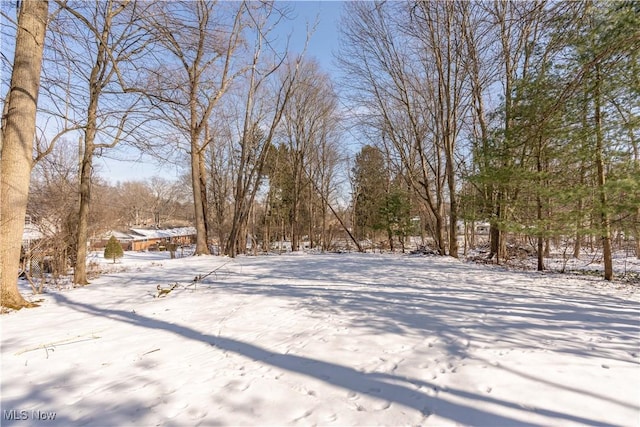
(51, 346)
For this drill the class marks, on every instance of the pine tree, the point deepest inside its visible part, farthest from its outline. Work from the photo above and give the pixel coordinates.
(113, 249)
(371, 182)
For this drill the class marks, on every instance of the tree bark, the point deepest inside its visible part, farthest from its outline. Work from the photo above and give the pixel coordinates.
(18, 132)
(198, 203)
(82, 234)
(95, 89)
(605, 223)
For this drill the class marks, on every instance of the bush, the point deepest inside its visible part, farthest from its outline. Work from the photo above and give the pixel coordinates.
(113, 249)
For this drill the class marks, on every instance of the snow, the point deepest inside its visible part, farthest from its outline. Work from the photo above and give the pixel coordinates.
(324, 339)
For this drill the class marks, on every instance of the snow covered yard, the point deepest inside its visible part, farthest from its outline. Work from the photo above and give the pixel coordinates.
(346, 339)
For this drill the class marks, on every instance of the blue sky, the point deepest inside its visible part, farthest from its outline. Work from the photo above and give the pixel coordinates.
(325, 39)
(321, 47)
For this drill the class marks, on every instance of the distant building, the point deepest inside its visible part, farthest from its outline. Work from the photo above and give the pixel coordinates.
(31, 233)
(481, 228)
(139, 239)
(157, 239)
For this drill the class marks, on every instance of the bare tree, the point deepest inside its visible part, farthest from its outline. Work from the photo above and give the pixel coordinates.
(305, 127)
(399, 100)
(255, 145)
(99, 42)
(201, 40)
(18, 132)
(323, 166)
(221, 167)
(262, 113)
(438, 31)
(53, 203)
(135, 203)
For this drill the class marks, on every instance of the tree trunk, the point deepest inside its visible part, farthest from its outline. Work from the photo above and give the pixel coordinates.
(205, 201)
(439, 231)
(605, 224)
(577, 247)
(18, 132)
(453, 205)
(637, 232)
(95, 88)
(540, 217)
(80, 270)
(495, 234)
(294, 220)
(198, 204)
(324, 237)
(232, 245)
(390, 239)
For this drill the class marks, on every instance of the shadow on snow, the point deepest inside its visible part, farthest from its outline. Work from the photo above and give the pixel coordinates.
(392, 388)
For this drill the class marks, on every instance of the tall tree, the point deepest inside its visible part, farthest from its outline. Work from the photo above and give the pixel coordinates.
(411, 80)
(18, 133)
(98, 42)
(304, 126)
(439, 31)
(263, 109)
(607, 50)
(371, 182)
(515, 26)
(220, 172)
(201, 39)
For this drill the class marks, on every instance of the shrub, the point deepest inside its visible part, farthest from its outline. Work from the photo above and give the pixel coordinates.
(113, 249)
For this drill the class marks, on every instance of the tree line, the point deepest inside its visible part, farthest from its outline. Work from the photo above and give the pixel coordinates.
(521, 114)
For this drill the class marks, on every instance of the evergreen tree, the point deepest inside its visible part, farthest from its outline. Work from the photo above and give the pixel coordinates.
(605, 61)
(113, 249)
(371, 182)
(396, 215)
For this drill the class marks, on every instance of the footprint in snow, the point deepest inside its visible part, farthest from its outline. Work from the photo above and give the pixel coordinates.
(382, 406)
(303, 416)
(197, 414)
(426, 412)
(175, 409)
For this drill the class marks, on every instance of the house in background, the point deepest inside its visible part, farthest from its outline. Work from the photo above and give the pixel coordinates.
(144, 239)
(125, 240)
(31, 233)
(139, 239)
(480, 228)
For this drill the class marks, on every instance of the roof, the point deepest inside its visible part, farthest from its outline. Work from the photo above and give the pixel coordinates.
(31, 232)
(119, 235)
(142, 234)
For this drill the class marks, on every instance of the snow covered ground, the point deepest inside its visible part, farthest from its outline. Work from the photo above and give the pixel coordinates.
(347, 339)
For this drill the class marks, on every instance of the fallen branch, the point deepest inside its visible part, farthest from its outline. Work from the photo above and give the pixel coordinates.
(51, 345)
(161, 292)
(200, 277)
(164, 292)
